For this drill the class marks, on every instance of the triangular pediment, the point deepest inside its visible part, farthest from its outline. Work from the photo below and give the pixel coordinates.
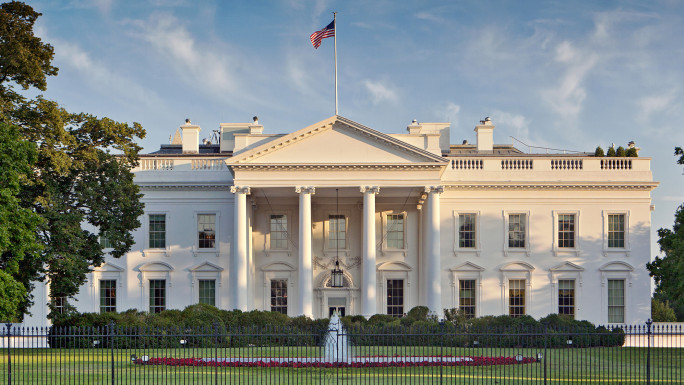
(567, 266)
(278, 266)
(468, 266)
(207, 267)
(108, 268)
(338, 141)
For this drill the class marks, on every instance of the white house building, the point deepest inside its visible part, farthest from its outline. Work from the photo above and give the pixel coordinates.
(259, 221)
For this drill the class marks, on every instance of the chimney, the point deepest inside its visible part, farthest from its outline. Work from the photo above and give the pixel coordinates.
(485, 135)
(190, 137)
(255, 128)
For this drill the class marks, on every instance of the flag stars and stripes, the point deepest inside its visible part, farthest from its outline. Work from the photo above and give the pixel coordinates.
(317, 36)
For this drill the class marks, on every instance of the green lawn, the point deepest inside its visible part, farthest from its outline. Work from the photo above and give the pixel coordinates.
(563, 366)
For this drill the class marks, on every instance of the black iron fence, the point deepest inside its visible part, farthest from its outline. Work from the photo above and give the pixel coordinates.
(426, 354)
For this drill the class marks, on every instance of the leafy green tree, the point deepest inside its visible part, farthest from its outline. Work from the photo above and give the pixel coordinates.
(81, 186)
(611, 151)
(661, 311)
(632, 152)
(18, 225)
(599, 152)
(668, 272)
(620, 152)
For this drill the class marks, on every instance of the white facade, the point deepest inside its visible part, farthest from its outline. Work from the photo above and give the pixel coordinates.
(419, 222)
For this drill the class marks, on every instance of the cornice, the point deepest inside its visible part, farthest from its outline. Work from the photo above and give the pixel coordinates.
(507, 185)
(337, 166)
(185, 187)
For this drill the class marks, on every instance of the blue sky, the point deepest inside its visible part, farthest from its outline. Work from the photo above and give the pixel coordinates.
(567, 75)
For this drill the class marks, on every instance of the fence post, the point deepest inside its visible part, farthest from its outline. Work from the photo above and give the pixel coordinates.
(649, 323)
(111, 347)
(216, 343)
(546, 340)
(8, 325)
(441, 351)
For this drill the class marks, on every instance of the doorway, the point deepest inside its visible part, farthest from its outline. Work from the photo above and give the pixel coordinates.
(337, 305)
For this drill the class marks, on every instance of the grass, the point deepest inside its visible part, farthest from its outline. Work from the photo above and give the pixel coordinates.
(563, 366)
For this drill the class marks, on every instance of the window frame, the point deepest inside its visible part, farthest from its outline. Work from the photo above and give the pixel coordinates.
(279, 270)
(197, 251)
(200, 291)
(288, 250)
(466, 251)
(206, 271)
(150, 297)
(287, 293)
(626, 250)
(466, 271)
(574, 297)
(616, 270)
(149, 251)
(330, 251)
(516, 270)
(508, 251)
(567, 271)
(557, 250)
(100, 288)
(623, 297)
(525, 288)
(385, 226)
(387, 296)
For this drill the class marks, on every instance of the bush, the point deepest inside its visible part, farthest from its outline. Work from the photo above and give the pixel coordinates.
(611, 151)
(620, 152)
(599, 152)
(662, 312)
(632, 152)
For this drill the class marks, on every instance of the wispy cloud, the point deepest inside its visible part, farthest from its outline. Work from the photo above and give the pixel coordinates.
(381, 91)
(657, 104)
(515, 124)
(450, 113)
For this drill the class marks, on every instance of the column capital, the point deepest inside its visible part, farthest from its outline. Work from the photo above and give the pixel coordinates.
(434, 189)
(240, 190)
(370, 189)
(305, 190)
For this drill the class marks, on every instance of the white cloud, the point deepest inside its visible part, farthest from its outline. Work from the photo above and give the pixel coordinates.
(656, 104)
(381, 92)
(202, 65)
(568, 96)
(515, 124)
(451, 112)
(97, 73)
(428, 16)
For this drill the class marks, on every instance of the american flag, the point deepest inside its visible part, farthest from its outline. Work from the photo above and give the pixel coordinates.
(317, 36)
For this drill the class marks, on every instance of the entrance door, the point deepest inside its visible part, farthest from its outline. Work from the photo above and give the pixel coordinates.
(337, 305)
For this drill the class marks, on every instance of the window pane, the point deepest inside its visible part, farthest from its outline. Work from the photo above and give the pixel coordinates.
(279, 295)
(207, 291)
(616, 230)
(466, 230)
(516, 230)
(466, 297)
(107, 295)
(157, 231)
(616, 300)
(566, 230)
(157, 295)
(395, 297)
(395, 231)
(279, 237)
(516, 297)
(337, 234)
(566, 297)
(104, 242)
(206, 231)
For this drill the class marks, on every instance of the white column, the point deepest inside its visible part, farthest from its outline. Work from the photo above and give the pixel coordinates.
(238, 266)
(369, 284)
(433, 257)
(305, 272)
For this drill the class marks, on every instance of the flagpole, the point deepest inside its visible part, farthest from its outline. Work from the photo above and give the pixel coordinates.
(335, 37)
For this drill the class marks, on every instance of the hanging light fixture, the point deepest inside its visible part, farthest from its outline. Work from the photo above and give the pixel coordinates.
(337, 276)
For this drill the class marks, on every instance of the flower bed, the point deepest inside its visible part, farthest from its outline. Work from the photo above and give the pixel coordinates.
(354, 362)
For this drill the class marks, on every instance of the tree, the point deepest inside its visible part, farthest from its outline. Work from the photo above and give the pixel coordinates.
(661, 311)
(611, 151)
(81, 187)
(18, 225)
(668, 272)
(599, 152)
(620, 152)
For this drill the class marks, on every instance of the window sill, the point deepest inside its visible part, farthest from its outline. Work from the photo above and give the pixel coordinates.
(616, 251)
(386, 251)
(467, 251)
(565, 251)
(197, 252)
(516, 251)
(277, 252)
(153, 252)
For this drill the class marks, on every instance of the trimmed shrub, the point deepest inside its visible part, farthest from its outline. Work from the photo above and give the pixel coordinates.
(611, 151)
(599, 152)
(620, 152)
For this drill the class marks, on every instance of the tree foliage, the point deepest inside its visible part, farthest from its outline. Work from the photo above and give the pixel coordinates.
(82, 186)
(668, 272)
(599, 152)
(611, 151)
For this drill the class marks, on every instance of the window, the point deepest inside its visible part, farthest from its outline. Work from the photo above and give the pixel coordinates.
(616, 300)
(395, 231)
(206, 231)
(395, 297)
(466, 297)
(516, 297)
(157, 231)
(279, 295)
(517, 230)
(104, 242)
(207, 291)
(566, 230)
(566, 297)
(157, 295)
(279, 232)
(616, 230)
(107, 295)
(60, 304)
(337, 232)
(466, 230)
